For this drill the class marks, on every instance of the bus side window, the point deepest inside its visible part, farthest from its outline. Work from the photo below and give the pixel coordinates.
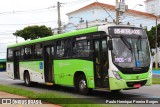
(64, 48)
(67, 48)
(22, 54)
(38, 51)
(28, 52)
(25, 53)
(10, 55)
(60, 48)
(81, 48)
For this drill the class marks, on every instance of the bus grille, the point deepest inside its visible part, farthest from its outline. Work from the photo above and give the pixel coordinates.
(131, 84)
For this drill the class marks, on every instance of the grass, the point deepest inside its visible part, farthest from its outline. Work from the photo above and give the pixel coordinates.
(155, 69)
(54, 98)
(57, 98)
(156, 80)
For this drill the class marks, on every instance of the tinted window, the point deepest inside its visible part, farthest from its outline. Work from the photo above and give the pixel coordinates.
(60, 49)
(63, 48)
(22, 53)
(28, 52)
(81, 48)
(10, 55)
(38, 51)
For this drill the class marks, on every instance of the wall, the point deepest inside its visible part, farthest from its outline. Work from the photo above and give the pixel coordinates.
(98, 13)
(153, 7)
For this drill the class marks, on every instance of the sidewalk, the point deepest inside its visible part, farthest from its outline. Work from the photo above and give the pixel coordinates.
(156, 73)
(8, 95)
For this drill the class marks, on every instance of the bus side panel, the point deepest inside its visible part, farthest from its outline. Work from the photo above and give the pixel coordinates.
(64, 71)
(10, 69)
(35, 68)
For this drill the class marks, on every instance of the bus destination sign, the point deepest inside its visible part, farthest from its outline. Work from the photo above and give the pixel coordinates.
(126, 31)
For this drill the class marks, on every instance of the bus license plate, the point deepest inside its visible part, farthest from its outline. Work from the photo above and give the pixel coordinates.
(137, 85)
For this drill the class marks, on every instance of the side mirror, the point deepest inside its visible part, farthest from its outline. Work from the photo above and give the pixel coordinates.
(110, 45)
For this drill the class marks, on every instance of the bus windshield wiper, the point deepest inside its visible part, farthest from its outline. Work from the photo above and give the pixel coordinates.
(139, 48)
(139, 45)
(126, 42)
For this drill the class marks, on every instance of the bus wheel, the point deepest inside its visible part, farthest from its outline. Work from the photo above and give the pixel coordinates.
(82, 85)
(27, 79)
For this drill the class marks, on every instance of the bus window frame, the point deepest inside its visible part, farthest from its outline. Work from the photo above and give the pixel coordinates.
(48, 43)
(10, 59)
(34, 55)
(70, 53)
(76, 41)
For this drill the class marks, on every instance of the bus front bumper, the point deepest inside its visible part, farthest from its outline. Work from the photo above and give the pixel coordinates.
(129, 84)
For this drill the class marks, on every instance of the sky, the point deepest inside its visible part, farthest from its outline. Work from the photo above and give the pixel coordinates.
(17, 14)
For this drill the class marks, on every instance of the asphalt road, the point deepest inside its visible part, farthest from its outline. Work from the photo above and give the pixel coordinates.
(144, 92)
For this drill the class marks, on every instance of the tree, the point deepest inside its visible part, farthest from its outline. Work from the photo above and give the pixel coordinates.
(151, 36)
(34, 32)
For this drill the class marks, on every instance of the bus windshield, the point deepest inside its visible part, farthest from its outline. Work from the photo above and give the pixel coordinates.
(130, 52)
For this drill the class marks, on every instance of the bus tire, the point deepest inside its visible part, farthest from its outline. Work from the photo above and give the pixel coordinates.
(27, 79)
(82, 85)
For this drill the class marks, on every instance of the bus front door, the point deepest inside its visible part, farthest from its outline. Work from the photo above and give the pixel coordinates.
(101, 63)
(48, 64)
(16, 64)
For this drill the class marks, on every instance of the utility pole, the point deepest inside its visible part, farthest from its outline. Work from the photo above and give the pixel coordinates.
(156, 54)
(120, 9)
(117, 14)
(86, 23)
(59, 18)
(16, 40)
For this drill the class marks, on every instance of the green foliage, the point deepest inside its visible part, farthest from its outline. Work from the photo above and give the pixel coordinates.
(34, 32)
(155, 68)
(151, 35)
(156, 80)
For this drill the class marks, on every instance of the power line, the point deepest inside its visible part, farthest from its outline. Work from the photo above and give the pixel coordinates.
(8, 42)
(34, 12)
(5, 31)
(135, 18)
(76, 2)
(108, 13)
(11, 32)
(13, 24)
(37, 9)
(28, 11)
(138, 19)
(7, 34)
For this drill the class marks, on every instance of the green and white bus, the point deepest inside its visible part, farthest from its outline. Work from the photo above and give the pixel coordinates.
(108, 57)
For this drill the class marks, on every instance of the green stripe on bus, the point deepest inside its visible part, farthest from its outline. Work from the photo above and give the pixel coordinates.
(68, 34)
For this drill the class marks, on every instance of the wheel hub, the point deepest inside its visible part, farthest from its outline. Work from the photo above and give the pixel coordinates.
(27, 81)
(82, 85)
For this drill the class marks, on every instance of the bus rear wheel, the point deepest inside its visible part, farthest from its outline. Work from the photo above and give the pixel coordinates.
(27, 79)
(82, 85)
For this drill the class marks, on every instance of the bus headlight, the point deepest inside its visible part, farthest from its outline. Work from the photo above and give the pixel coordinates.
(116, 74)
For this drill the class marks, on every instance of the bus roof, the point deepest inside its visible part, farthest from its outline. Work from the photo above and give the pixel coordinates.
(68, 34)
